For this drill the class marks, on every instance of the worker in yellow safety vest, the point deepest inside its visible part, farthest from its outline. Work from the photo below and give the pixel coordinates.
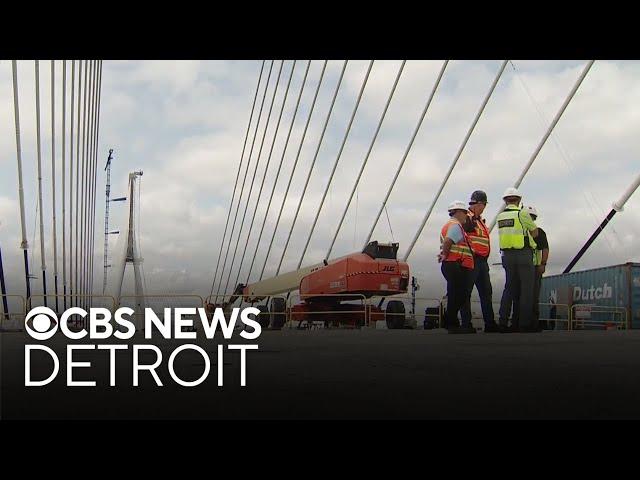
(456, 257)
(540, 258)
(517, 232)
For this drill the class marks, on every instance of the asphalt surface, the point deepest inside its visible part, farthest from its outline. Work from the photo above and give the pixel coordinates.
(347, 374)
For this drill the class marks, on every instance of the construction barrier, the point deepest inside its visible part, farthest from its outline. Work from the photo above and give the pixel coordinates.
(354, 317)
(598, 316)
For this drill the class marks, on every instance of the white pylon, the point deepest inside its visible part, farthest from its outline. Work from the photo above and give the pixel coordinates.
(128, 251)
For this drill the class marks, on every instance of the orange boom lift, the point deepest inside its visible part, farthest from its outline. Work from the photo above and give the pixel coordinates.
(327, 287)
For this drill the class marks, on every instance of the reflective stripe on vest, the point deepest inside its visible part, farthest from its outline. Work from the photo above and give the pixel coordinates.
(479, 239)
(459, 252)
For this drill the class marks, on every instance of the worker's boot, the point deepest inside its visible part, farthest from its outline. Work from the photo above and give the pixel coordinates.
(464, 329)
(492, 328)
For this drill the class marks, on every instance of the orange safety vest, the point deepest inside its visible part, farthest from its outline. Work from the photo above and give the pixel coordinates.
(461, 251)
(479, 239)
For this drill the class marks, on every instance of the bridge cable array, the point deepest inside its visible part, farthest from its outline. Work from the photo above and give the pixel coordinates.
(78, 233)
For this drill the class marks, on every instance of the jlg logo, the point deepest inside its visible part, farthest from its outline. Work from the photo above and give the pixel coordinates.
(389, 268)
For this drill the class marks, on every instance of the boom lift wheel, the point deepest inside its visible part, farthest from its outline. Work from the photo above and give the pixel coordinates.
(395, 314)
(263, 318)
(278, 313)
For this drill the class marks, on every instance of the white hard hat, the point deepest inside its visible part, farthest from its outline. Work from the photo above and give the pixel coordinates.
(457, 205)
(532, 210)
(511, 192)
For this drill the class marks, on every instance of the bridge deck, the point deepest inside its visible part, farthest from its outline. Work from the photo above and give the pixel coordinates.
(363, 374)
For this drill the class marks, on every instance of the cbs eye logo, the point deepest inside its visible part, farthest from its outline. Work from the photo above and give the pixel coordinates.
(41, 323)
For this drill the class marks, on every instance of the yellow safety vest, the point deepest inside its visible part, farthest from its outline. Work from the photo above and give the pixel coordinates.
(537, 257)
(511, 231)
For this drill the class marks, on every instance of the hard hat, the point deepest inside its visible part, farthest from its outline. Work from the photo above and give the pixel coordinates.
(511, 192)
(532, 210)
(457, 205)
(478, 196)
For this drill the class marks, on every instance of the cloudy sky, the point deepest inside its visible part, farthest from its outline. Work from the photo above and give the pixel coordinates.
(183, 123)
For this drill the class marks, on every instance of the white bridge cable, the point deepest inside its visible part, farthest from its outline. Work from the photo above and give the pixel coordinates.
(366, 158)
(64, 176)
(588, 195)
(244, 179)
(295, 164)
(275, 181)
(266, 168)
(53, 179)
(24, 244)
(235, 186)
(72, 284)
(455, 160)
(92, 172)
(96, 144)
(255, 171)
(542, 142)
(313, 162)
(77, 184)
(407, 150)
(92, 182)
(85, 177)
(337, 160)
(92, 210)
(43, 266)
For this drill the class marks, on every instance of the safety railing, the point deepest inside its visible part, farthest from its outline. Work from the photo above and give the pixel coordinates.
(59, 302)
(598, 316)
(158, 302)
(314, 316)
(554, 315)
(12, 318)
(428, 313)
(273, 308)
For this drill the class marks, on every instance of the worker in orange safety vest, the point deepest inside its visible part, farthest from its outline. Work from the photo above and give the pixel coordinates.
(481, 247)
(457, 261)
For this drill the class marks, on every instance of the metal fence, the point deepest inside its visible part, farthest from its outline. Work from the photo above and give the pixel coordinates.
(354, 311)
(599, 316)
(13, 318)
(157, 303)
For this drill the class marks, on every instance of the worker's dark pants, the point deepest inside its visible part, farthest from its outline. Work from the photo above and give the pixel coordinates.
(482, 281)
(519, 276)
(459, 285)
(537, 281)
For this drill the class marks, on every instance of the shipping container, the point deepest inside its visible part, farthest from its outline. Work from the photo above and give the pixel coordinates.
(596, 297)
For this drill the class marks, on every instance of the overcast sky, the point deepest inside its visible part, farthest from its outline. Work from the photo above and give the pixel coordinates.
(183, 123)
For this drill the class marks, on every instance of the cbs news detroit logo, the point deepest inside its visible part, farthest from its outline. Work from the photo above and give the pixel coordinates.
(42, 324)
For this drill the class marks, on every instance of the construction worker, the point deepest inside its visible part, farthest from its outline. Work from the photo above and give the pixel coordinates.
(456, 257)
(480, 244)
(517, 231)
(540, 257)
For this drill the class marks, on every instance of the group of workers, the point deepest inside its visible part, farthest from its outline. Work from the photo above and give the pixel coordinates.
(464, 252)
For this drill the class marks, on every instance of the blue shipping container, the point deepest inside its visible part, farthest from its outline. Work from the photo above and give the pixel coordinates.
(614, 288)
